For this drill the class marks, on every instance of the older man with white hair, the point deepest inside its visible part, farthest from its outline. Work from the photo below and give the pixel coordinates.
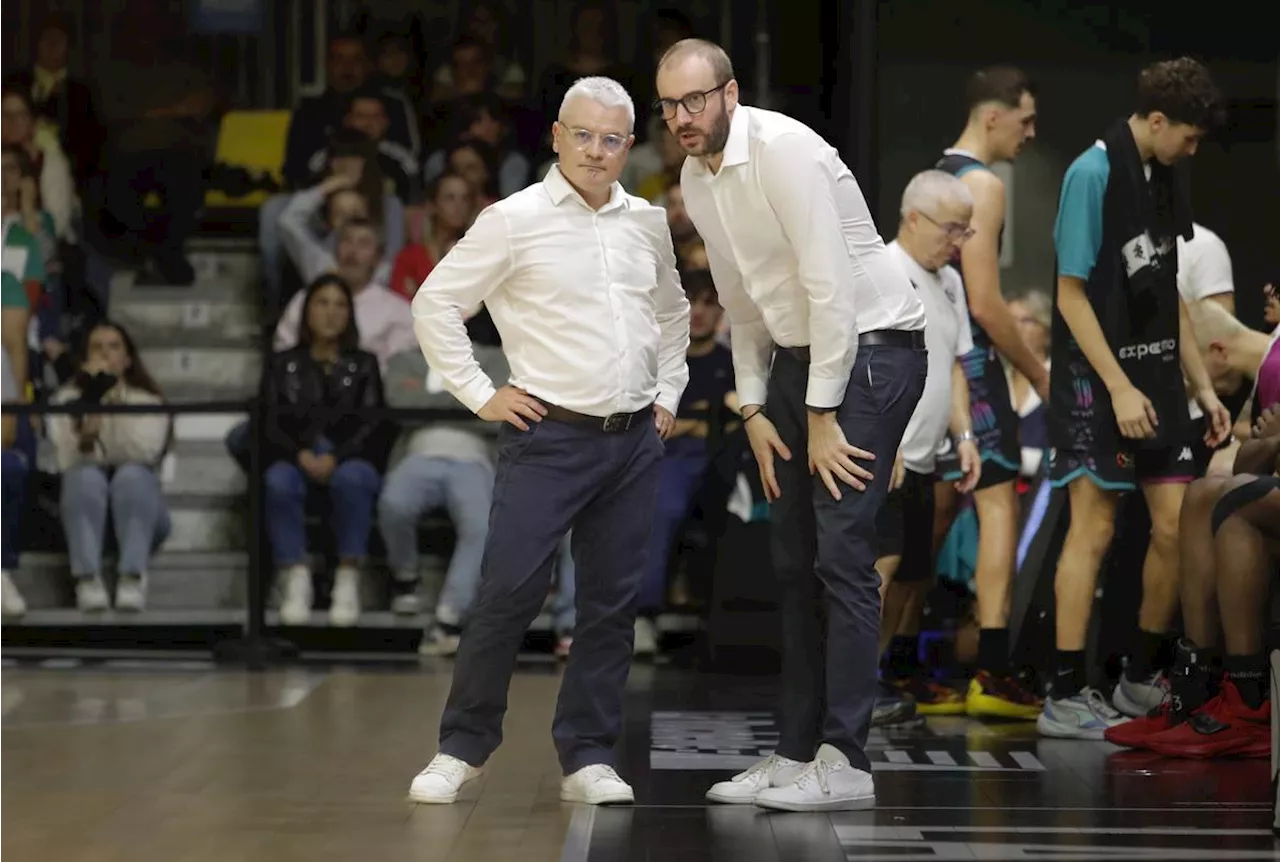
(580, 279)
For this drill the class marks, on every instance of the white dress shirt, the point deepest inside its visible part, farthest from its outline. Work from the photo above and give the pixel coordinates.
(795, 255)
(947, 337)
(588, 302)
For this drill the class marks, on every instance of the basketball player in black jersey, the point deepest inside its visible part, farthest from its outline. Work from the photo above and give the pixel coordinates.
(1002, 119)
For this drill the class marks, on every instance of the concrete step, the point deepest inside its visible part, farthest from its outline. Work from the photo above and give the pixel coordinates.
(173, 319)
(208, 527)
(203, 469)
(220, 272)
(234, 369)
(177, 580)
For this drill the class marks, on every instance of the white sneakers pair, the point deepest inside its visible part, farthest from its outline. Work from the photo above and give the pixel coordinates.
(826, 783)
(444, 776)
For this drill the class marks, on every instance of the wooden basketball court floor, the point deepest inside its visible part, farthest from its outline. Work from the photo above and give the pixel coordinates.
(185, 762)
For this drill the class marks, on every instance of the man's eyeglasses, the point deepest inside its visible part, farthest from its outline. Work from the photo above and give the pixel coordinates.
(953, 231)
(693, 103)
(584, 138)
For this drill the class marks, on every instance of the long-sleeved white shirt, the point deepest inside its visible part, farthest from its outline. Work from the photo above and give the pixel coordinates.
(588, 302)
(795, 255)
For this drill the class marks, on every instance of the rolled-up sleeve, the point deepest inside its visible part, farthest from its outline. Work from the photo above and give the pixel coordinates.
(801, 188)
(467, 275)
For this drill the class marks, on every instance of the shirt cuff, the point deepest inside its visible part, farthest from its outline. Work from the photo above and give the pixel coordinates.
(476, 394)
(752, 390)
(825, 393)
(668, 401)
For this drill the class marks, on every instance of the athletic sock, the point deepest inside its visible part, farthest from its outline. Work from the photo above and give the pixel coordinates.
(1143, 652)
(903, 658)
(1071, 674)
(993, 651)
(1249, 674)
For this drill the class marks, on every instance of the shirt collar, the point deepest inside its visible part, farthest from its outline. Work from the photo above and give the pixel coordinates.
(559, 190)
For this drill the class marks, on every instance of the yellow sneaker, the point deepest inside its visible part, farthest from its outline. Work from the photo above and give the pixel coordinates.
(992, 696)
(932, 698)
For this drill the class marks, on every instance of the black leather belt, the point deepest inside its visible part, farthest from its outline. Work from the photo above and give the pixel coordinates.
(913, 339)
(614, 423)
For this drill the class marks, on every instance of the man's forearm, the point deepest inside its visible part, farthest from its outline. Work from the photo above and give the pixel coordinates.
(960, 417)
(1257, 456)
(1189, 352)
(1084, 326)
(997, 321)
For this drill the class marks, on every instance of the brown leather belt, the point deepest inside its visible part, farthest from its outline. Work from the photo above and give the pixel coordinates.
(614, 423)
(913, 339)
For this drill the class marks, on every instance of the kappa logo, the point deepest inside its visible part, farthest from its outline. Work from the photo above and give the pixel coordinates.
(1185, 454)
(1151, 348)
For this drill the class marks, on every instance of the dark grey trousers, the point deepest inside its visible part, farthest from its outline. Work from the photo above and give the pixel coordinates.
(824, 551)
(551, 478)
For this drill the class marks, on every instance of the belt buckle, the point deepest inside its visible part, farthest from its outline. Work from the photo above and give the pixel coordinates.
(616, 422)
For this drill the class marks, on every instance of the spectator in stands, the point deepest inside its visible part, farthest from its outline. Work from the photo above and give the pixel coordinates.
(707, 404)
(159, 109)
(342, 201)
(317, 117)
(53, 171)
(1032, 314)
(477, 62)
(645, 159)
(693, 255)
(350, 154)
(19, 269)
(483, 118)
(453, 207)
(592, 50)
(398, 72)
(325, 382)
(108, 464)
(447, 465)
(367, 113)
(478, 163)
(652, 187)
(380, 320)
(682, 229)
(62, 102)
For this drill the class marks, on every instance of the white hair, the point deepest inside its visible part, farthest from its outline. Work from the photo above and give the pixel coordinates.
(603, 91)
(929, 188)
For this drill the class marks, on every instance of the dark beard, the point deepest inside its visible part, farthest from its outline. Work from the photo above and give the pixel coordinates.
(718, 136)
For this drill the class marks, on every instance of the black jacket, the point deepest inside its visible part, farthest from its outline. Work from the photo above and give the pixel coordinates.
(331, 401)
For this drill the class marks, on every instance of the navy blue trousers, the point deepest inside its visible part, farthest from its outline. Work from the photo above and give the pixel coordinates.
(554, 477)
(824, 551)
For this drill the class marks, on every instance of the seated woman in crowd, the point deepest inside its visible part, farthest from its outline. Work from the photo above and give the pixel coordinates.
(108, 464)
(321, 439)
(452, 209)
(477, 162)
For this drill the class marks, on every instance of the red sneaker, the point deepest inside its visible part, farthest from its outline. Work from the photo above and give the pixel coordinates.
(1135, 732)
(1223, 727)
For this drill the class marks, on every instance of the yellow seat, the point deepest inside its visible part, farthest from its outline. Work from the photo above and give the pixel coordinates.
(255, 141)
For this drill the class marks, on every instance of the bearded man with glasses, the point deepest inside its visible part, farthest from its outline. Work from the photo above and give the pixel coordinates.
(580, 279)
(798, 263)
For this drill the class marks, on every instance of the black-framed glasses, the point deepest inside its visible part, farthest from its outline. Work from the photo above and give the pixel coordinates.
(693, 103)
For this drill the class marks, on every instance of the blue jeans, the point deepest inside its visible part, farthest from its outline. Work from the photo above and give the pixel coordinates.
(683, 467)
(138, 514)
(353, 490)
(14, 465)
(419, 484)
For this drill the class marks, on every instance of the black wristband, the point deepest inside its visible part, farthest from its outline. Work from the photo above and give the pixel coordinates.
(746, 419)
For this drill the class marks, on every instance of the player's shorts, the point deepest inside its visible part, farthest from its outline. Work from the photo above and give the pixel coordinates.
(995, 422)
(904, 527)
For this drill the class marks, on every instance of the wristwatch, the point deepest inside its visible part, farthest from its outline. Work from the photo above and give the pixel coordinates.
(964, 437)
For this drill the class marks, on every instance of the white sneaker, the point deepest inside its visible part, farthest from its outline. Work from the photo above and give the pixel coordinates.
(13, 603)
(440, 782)
(1086, 715)
(1136, 699)
(91, 595)
(406, 600)
(295, 595)
(827, 783)
(596, 784)
(646, 637)
(344, 600)
(438, 642)
(131, 592)
(774, 771)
